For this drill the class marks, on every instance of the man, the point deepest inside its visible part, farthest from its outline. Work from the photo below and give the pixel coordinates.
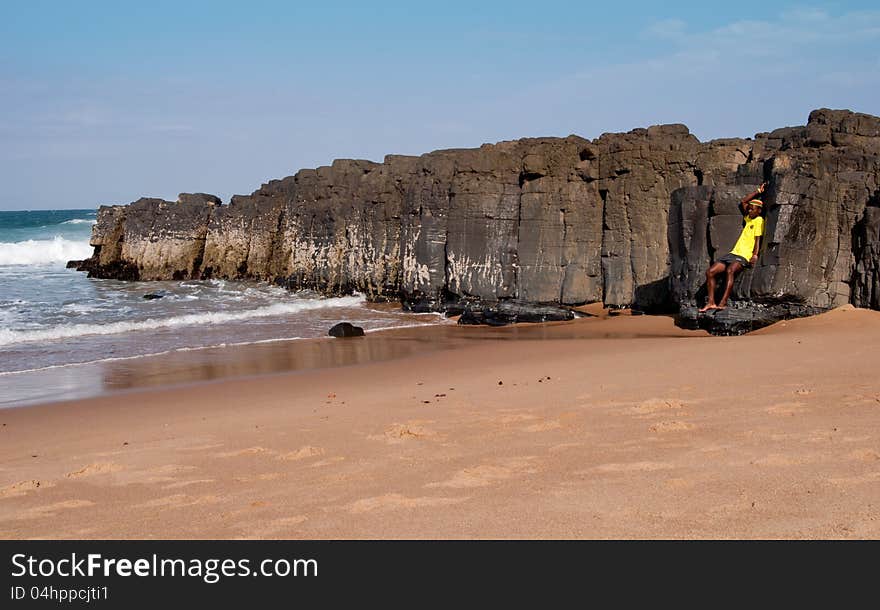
(744, 253)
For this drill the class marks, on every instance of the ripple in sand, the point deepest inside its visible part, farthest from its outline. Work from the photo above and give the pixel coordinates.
(658, 405)
(179, 501)
(633, 467)
(244, 452)
(95, 469)
(50, 510)
(672, 426)
(486, 474)
(23, 487)
(397, 433)
(786, 408)
(329, 461)
(514, 418)
(554, 424)
(864, 455)
(396, 501)
(180, 484)
(302, 453)
(265, 476)
(777, 459)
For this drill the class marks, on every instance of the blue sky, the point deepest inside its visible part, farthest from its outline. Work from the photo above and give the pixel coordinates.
(105, 102)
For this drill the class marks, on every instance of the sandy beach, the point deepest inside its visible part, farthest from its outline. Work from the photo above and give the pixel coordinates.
(621, 427)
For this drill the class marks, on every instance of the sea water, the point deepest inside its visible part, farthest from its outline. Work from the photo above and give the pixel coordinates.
(55, 318)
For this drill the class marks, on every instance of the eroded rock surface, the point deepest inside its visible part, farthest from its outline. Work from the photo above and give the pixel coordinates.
(628, 219)
(822, 228)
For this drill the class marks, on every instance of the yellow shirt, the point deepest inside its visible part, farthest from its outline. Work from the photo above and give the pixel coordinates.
(745, 245)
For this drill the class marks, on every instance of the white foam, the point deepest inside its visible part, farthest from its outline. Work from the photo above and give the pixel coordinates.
(81, 308)
(443, 320)
(7, 317)
(68, 331)
(43, 251)
(80, 221)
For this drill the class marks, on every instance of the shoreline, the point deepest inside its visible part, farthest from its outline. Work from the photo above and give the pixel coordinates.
(184, 365)
(187, 366)
(597, 429)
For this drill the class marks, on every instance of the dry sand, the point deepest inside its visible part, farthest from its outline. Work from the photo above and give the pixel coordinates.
(602, 428)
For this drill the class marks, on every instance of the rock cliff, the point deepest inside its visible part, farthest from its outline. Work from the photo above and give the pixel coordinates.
(629, 219)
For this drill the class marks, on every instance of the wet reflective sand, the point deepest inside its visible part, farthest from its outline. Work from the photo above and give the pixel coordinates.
(201, 365)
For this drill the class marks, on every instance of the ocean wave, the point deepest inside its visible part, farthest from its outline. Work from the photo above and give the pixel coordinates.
(82, 308)
(80, 221)
(43, 251)
(69, 331)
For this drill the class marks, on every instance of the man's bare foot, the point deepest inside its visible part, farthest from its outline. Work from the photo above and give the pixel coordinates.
(719, 307)
(708, 307)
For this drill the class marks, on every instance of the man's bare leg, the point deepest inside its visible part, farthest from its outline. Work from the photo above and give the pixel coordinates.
(732, 270)
(710, 285)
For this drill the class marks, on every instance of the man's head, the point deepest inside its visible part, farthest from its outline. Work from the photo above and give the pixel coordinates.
(754, 208)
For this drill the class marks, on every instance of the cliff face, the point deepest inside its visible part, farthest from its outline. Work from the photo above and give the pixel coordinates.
(822, 234)
(630, 219)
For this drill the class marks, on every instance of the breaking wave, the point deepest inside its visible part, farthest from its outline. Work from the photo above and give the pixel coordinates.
(43, 251)
(68, 331)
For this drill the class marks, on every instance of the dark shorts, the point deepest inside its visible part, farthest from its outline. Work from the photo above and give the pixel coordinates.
(730, 257)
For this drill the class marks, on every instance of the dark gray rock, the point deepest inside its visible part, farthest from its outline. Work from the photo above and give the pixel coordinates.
(512, 312)
(866, 274)
(117, 269)
(741, 318)
(345, 329)
(688, 233)
(198, 198)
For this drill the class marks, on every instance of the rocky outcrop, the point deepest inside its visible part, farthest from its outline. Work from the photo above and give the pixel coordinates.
(510, 311)
(866, 275)
(631, 220)
(152, 239)
(741, 317)
(821, 234)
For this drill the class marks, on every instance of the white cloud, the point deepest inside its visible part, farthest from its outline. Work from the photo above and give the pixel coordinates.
(785, 34)
(667, 29)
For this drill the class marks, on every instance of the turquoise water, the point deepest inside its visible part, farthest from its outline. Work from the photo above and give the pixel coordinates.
(18, 225)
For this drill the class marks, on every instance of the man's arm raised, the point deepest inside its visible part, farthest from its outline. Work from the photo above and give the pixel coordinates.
(747, 198)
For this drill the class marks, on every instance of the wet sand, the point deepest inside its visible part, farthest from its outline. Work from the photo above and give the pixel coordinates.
(600, 428)
(185, 367)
